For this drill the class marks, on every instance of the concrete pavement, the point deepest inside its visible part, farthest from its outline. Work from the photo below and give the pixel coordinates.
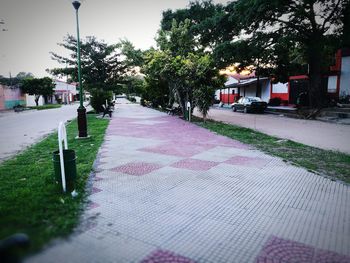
(20, 130)
(169, 191)
(329, 136)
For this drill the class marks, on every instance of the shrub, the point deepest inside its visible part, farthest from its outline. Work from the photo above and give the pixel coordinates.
(275, 101)
(142, 102)
(98, 98)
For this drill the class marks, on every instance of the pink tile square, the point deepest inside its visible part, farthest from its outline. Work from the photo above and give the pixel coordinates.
(97, 178)
(93, 205)
(286, 251)
(194, 164)
(95, 190)
(163, 256)
(137, 169)
(178, 149)
(324, 256)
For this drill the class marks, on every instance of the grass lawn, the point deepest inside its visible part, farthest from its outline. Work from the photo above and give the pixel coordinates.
(31, 202)
(46, 107)
(334, 164)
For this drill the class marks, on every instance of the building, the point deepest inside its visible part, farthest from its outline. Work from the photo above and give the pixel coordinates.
(11, 97)
(65, 92)
(236, 87)
(336, 81)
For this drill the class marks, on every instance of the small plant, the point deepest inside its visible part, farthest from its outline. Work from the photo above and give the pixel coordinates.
(204, 99)
(98, 98)
(143, 102)
(275, 101)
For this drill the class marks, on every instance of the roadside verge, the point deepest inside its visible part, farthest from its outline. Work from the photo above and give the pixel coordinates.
(333, 164)
(31, 202)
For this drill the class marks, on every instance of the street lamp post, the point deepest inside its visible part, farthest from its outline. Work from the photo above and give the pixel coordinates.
(82, 123)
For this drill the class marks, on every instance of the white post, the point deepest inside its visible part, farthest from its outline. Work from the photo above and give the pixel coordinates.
(62, 136)
(189, 110)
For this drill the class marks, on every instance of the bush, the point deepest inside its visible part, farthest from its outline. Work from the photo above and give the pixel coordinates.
(143, 102)
(275, 101)
(130, 98)
(98, 98)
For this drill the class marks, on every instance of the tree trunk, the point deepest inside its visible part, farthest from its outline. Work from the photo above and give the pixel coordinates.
(37, 100)
(317, 94)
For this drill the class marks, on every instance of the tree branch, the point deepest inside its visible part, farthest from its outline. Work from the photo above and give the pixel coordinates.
(331, 14)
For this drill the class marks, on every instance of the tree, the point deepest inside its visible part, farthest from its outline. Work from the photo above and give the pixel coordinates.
(16, 80)
(156, 86)
(346, 25)
(24, 75)
(102, 67)
(205, 22)
(181, 64)
(308, 23)
(204, 99)
(278, 37)
(38, 87)
(134, 56)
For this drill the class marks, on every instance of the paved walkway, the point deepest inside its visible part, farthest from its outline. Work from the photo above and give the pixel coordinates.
(169, 191)
(330, 136)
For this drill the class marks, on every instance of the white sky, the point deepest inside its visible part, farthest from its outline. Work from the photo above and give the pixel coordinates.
(36, 26)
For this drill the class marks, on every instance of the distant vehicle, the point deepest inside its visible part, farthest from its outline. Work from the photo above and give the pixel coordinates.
(249, 104)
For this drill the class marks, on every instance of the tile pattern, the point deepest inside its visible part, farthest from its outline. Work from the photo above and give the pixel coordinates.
(193, 164)
(287, 251)
(248, 161)
(202, 197)
(136, 168)
(161, 256)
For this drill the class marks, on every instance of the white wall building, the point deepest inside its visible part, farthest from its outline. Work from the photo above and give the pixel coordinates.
(64, 92)
(30, 101)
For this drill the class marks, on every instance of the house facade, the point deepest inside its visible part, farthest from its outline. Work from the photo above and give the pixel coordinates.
(252, 87)
(336, 81)
(10, 97)
(64, 92)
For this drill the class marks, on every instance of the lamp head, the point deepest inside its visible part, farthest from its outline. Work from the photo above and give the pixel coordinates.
(76, 4)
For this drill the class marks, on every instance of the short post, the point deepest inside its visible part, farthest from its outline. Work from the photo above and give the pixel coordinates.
(189, 110)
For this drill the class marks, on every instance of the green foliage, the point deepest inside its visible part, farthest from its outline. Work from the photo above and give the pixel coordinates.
(180, 65)
(30, 200)
(134, 85)
(46, 107)
(134, 57)
(38, 87)
(278, 38)
(306, 23)
(24, 75)
(345, 39)
(205, 22)
(99, 97)
(16, 80)
(101, 63)
(102, 67)
(204, 99)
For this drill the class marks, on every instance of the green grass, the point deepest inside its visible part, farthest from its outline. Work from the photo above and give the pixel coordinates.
(334, 164)
(46, 107)
(31, 202)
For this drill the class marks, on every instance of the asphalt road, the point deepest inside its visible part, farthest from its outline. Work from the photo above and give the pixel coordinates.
(330, 136)
(19, 130)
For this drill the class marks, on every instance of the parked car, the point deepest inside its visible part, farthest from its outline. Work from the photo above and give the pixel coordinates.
(249, 104)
